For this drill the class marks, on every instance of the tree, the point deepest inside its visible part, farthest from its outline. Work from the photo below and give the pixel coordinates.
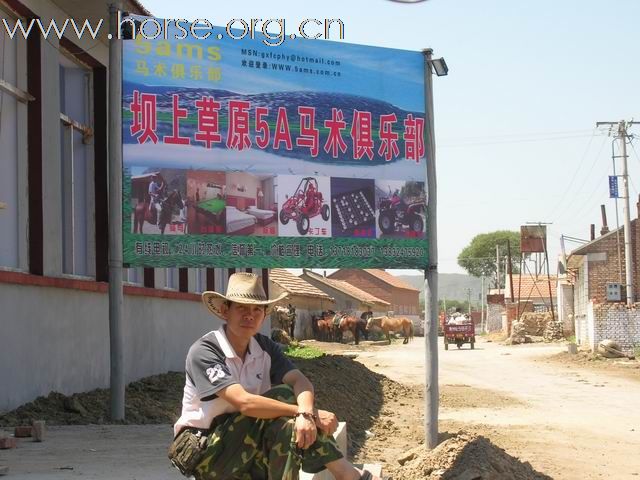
(479, 257)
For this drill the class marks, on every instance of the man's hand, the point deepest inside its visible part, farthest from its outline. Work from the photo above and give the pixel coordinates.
(306, 432)
(327, 422)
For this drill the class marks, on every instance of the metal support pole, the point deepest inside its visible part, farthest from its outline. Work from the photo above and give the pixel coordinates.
(116, 333)
(431, 273)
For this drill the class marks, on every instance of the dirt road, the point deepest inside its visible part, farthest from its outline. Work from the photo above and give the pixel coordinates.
(568, 422)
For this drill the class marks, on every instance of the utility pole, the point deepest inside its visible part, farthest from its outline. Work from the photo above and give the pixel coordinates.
(510, 269)
(622, 135)
(498, 268)
(482, 299)
(469, 301)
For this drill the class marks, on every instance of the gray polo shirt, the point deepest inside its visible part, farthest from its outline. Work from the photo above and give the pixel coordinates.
(213, 365)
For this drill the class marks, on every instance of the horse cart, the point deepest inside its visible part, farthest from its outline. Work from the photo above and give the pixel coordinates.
(459, 335)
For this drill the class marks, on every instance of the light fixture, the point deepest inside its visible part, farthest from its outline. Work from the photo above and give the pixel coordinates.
(260, 194)
(440, 66)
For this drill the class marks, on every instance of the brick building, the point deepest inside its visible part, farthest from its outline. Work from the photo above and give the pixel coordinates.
(589, 269)
(537, 289)
(403, 298)
(348, 298)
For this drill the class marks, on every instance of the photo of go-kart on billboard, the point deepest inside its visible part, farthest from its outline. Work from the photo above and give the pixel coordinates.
(400, 209)
(303, 206)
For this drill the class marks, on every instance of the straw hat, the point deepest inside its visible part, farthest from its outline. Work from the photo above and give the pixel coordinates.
(245, 288)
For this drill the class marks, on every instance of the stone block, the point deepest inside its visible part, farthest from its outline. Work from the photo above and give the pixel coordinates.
(8, 442)
(22, 431)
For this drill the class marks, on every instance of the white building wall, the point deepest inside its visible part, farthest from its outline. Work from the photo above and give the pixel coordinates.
(56, 339)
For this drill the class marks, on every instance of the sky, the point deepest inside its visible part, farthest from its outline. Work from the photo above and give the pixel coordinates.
(515, 118)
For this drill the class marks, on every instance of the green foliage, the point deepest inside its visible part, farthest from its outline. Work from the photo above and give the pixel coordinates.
(412, 190)
(451, 305)
(295, 350)
(479, 257)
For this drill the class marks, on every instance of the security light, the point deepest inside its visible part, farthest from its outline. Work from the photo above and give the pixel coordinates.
(440, 66)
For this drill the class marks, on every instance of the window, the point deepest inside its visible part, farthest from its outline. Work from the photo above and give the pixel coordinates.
(13, 186)
(201, 280)
(76, 144)
(134, 275)
(171, 278)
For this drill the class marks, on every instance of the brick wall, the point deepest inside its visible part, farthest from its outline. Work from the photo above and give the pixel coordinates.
(616, 322)
(403, 302)
(609, 267)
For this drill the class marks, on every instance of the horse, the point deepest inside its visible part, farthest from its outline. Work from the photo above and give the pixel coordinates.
(393, 324)
(142, 213)
(322, 326)
(286, 318)
(354, 325)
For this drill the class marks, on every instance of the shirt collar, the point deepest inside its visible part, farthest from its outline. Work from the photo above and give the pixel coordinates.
(253, 348)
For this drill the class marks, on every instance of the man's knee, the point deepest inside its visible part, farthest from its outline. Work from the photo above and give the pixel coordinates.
(283, 393)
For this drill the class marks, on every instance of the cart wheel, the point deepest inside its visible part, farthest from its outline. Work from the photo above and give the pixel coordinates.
(303, 224)
(284, 218)
(325, 212)
(446, 345)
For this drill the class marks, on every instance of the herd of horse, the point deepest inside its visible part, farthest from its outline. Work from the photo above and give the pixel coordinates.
(329, 326)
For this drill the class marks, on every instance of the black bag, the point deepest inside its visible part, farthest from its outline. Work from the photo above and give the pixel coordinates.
(188, 449)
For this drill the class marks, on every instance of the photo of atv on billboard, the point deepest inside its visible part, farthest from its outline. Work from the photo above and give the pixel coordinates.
(239, 154)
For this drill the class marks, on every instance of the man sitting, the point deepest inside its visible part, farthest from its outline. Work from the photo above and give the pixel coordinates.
(255, 407)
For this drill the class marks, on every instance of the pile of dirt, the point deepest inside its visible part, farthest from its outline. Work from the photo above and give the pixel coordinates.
(346, 387)
(152, 400)
(464, 456)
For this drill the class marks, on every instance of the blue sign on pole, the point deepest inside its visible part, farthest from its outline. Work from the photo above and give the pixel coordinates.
(613, 186)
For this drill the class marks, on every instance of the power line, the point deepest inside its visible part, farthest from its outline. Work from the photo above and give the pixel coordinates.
(506, 135)
(575, 174)
(570, 203)
(550, 139)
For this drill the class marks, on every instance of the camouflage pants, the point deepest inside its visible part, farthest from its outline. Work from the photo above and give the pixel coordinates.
(247, 448)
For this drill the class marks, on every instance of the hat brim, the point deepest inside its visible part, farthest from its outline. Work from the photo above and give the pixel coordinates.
(214, 301)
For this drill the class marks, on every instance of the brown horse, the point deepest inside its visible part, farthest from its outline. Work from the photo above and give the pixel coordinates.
(322, 326)
(354, 325)
(142, 213)
(393, 324)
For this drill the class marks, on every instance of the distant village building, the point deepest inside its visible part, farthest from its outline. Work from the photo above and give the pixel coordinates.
(306, 298)
(347, 297)
(403, 298)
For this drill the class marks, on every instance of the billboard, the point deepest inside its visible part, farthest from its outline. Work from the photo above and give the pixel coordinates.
(238, 154)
